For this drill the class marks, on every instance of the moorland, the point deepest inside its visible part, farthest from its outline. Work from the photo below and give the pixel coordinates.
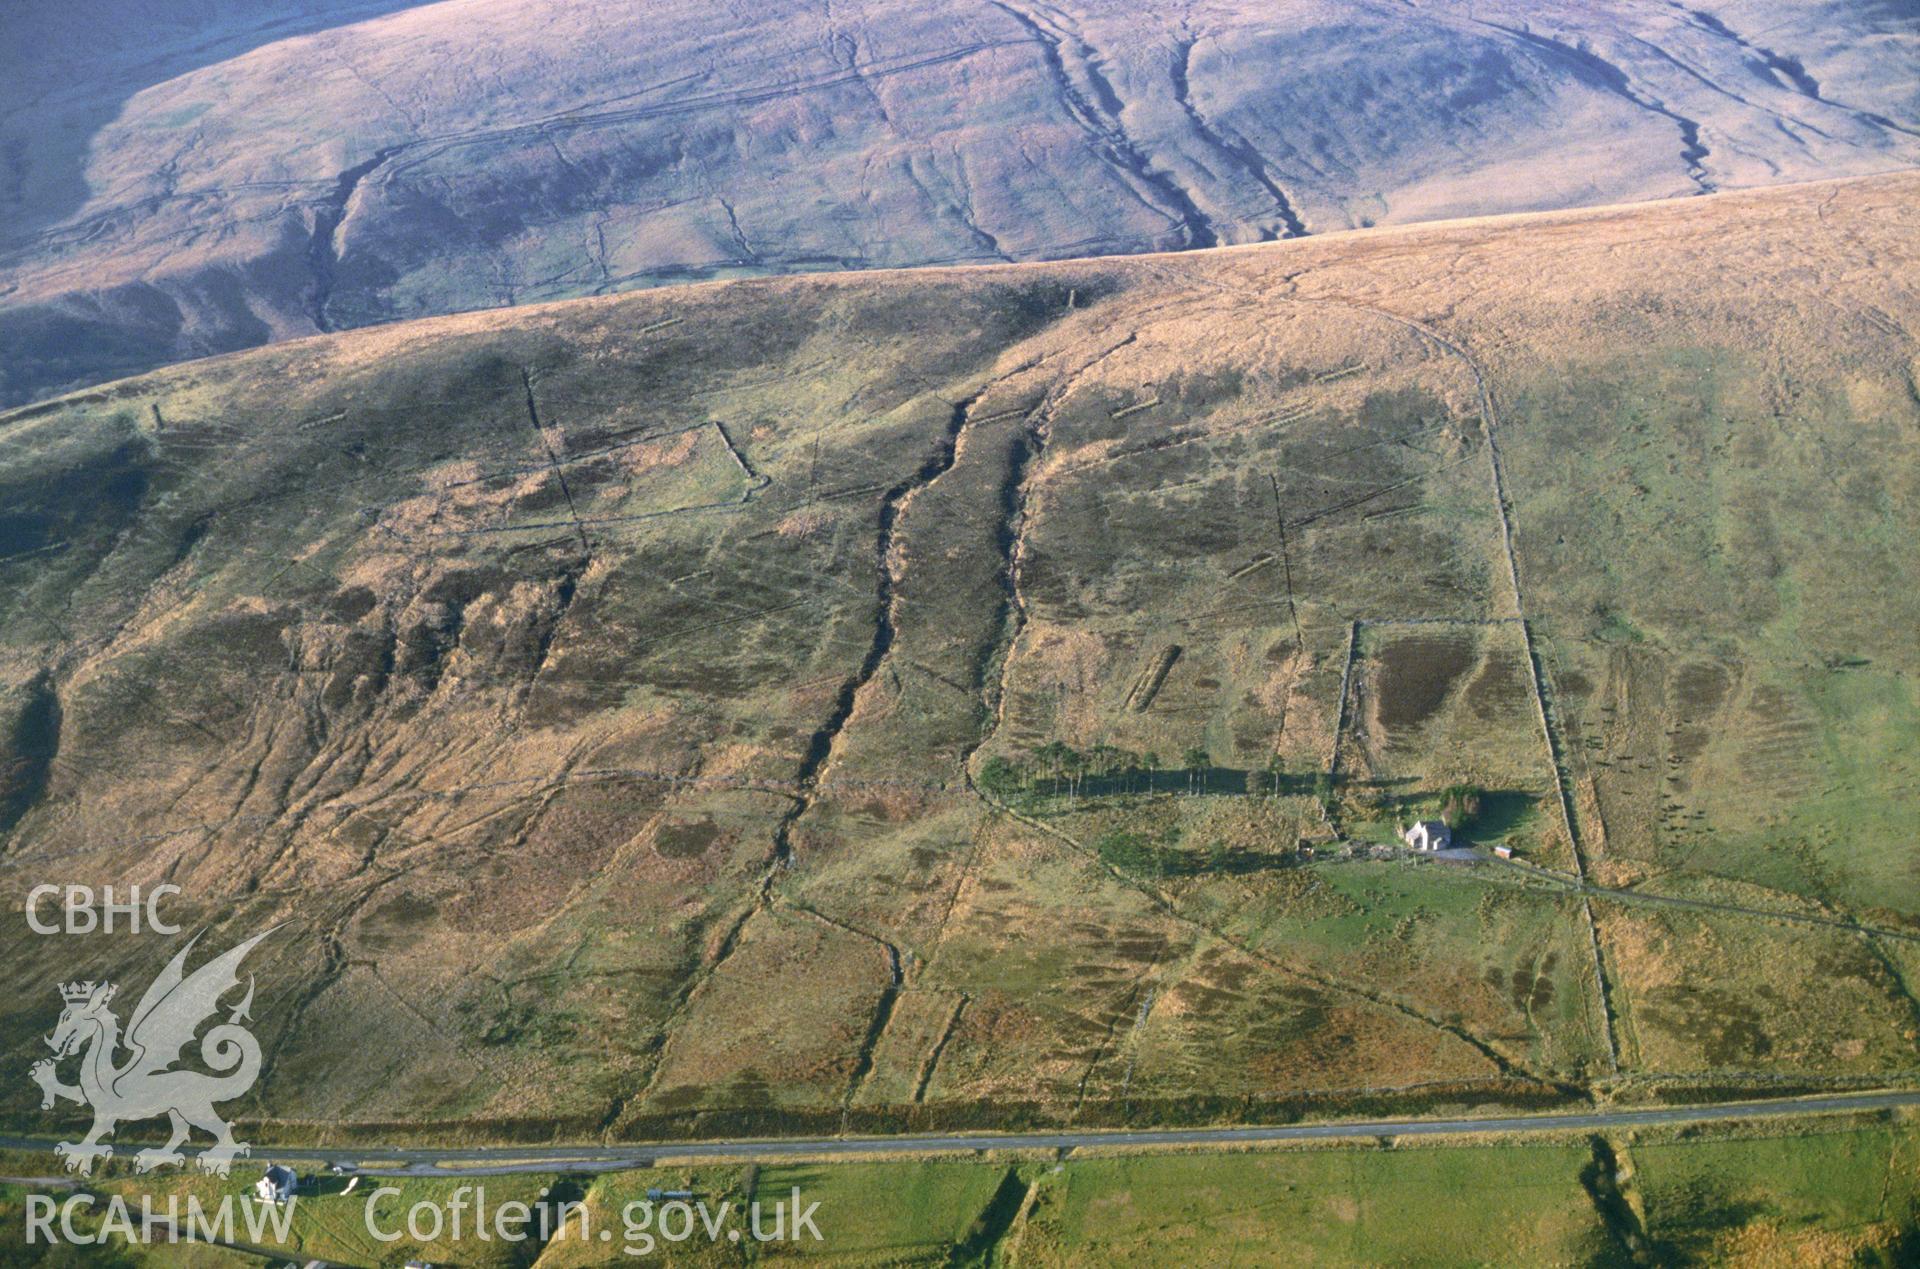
(990, 694)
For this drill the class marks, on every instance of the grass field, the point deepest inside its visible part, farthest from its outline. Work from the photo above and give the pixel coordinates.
(1818, 1198)
(1842, 1191)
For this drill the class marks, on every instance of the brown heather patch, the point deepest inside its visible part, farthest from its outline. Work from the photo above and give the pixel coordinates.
(1062, 656)
(1065, 666)
(1177, 1001)
(1066, 460)
(735, 759)
(666, 452)
(1586, 800)
(1275, 690)
(804, 523)
(1640, 948)
(1417, 674)
(377, 571)
(1764, 1245)
(685, 839)
(1618, 871)
(444, 476)
(889, 806)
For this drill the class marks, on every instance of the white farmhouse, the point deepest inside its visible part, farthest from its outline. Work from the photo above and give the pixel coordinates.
(1429, 835)
(277, 1186)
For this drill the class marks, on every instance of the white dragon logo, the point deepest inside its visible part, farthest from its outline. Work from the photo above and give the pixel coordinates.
(145, 1085)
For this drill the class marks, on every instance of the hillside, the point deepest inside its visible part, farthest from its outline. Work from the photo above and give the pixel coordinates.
(195, 176)
(902, 698)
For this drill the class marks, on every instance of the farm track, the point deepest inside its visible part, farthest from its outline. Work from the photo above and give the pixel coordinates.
(1563, 882)
(1501, 1062)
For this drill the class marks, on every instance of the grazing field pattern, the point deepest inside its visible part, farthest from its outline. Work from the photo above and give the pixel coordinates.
(994, 695)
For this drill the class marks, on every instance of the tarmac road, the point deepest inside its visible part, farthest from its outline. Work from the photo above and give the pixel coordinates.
(479, 1161)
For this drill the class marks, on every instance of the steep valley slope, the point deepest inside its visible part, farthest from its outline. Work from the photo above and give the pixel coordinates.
(197, 176)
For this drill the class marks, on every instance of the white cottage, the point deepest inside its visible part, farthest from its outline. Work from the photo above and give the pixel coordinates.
(277, 1186)
(1429, 835)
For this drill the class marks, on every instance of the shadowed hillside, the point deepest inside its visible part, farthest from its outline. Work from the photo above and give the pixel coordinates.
(197, 176)
(900, 698)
